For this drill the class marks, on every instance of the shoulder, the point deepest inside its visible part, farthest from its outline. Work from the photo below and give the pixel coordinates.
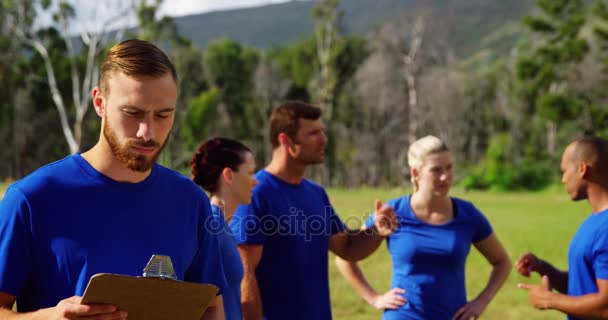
(178, 184)
(465, 207)
(265, 184)
(53, 174)
(401, 205)
(399, 202)
(268, 185)
(313, 186)
(599, 223)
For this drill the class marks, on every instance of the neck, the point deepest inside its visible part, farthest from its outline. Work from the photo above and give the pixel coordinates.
(428, 201)
(226, 203)
(598, 198)
(101, 158)
(286, 168)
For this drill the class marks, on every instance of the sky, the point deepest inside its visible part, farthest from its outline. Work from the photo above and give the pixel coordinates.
(103, 14)
(186, 7)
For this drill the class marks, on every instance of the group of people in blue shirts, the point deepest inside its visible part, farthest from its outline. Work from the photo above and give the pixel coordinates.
(263, 237)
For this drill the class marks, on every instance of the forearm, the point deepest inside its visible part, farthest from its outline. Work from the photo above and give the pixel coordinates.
(557, 278)
(498, 276)
(352, 273)
(251, 301)
(361, 244)
(215, 311)
(589, 306)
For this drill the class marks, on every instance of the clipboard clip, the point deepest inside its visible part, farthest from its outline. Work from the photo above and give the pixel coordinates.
(161, 267)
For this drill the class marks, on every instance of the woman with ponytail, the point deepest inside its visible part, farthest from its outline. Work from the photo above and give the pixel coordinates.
(430, 245)
(225, 168)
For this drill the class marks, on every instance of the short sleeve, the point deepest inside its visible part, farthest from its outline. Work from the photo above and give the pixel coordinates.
(369, 222)
(207, 266)
(335, 223)
(15, 243)
(482, 227)
(600, 255)
(247, 222)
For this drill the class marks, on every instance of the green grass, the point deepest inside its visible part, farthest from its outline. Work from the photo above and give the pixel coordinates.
(542, 223)
(3, 187)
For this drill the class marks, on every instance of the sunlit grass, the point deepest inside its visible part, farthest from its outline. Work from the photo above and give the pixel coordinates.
(3, 187)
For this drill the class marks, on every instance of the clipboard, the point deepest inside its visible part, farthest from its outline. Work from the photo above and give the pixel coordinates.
(150, 298)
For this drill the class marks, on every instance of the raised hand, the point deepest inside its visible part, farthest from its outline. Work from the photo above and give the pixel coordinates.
(385, 219)
(392, 299)
(71, 308)
(527, 263)
(540, 295)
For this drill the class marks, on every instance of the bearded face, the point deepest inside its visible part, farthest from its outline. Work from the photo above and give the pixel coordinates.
(125, 153)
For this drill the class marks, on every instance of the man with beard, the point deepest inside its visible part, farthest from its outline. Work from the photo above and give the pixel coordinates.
(109, 209)
(285, 233)
(582, 290)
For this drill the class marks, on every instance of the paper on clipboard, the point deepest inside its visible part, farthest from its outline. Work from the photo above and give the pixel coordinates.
(147, 298)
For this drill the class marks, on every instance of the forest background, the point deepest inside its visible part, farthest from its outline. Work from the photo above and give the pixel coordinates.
(505, 83)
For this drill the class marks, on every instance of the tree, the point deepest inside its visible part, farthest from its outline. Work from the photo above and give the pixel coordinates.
(231, 68)
(269, 89)
(600, 30)
(411, 70)
(544, 73)
(326, 15)
(94, 39)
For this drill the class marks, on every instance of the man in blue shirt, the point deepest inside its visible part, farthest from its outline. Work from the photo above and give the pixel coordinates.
(110, 208)
(583, 288)
(285, 233)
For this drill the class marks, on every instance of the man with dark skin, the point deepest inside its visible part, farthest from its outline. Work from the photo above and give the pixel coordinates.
(582, 291)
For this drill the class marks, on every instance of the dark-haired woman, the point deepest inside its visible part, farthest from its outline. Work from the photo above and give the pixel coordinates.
(226, 169)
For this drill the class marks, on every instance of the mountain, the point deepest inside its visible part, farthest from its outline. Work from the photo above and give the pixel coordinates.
(469, 21)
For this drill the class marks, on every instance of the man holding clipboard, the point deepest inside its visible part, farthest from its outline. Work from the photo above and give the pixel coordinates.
(109, 209)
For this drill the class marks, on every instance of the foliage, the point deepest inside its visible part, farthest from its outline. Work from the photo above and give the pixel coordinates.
(544, 72)
(201, 113)
(505, 117)
(497, 171)
(231, 68)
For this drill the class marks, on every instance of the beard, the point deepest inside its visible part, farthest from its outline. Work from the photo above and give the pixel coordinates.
(310, 158)
(581, 194)
(133, 161)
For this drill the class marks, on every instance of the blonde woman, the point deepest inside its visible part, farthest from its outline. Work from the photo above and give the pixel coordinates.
(430, 246)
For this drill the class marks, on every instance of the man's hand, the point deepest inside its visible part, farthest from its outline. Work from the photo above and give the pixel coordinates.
(527, 263)
(540, 295)
(471, 310)
(385, 219)
(71, 309)
(393, 299)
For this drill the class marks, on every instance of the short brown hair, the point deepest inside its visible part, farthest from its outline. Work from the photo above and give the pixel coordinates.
(135, 57)
(285, 119)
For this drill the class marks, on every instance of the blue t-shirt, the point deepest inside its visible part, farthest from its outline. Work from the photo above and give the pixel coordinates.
(429, 260)
(66, 222)
(293, 222)
(588, 256)
(233, 266)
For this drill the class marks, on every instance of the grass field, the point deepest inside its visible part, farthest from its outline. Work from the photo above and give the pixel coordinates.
(542, 223)
(3, 187)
